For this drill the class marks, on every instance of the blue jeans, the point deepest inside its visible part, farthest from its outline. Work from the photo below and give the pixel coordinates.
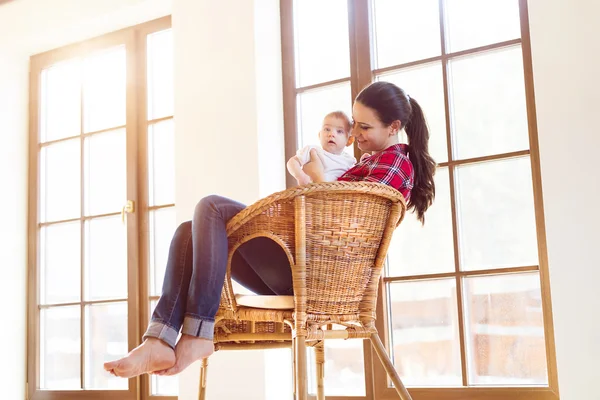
(196, 268)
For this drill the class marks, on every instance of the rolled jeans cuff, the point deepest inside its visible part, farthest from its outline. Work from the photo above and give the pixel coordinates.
(163, 332)
(199, 327)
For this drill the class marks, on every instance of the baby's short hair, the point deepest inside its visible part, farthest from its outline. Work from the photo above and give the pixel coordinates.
(341, 115)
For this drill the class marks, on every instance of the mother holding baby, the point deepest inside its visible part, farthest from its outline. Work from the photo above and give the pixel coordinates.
(197, 260)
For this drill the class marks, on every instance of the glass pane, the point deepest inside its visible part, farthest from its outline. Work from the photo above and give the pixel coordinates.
(104, 88)
(106, 340)
(161, 163)
(410, 252)
(60, 348)
(60, 181)
(163, 385)
(106, 258)
(488, 104)
(315, 104)
(160, 74)
(322, 46)
(505, 330)
(424, 325)
(105, 172)
(162, 227)
(426, 85)
(60, 263)
(417, 21)
(344, 368)
(474, 23)
(61, 101)
(496, 217)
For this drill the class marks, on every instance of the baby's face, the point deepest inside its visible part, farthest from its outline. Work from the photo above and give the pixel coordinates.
(333, 135)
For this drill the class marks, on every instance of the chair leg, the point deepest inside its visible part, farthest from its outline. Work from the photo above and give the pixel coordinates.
(202, 386)
(301, 378)
(389, 367)
(294, 368)
(320, 361)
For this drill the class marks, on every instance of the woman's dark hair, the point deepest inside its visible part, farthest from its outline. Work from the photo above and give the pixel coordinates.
(391, 103)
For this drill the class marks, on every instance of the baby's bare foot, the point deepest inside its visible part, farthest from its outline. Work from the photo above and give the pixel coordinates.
(189, 349)
(152, 355)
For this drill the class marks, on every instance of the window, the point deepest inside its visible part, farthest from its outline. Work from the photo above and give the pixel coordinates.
(101, 206)
(464, 305)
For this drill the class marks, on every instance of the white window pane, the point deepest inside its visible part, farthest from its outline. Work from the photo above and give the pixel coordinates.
(411, 251)
(61, 101)
(104, 89)
(474, 23)
(322, 45)
(426, 84)
(161, 163)
(425, 338)
(60, 181)
(405, 31)
(160, 74)
(505, 330)
(106, 258)
(106, 340)
(105, 160)
(60, 263)
(488, 104)
(60, 348)
(315, 104)
(496, 218)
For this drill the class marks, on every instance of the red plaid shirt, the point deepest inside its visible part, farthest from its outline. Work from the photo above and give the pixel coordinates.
(390, 166)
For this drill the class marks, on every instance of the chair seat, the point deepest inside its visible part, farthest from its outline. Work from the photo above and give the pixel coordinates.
(266, 302)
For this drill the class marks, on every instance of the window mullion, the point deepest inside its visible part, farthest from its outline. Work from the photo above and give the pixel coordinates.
(360, 49)
(536, 176)
(82, 237)
(453, 206)
(289, 83)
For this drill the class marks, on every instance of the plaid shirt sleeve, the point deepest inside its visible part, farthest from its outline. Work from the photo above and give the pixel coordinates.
(391, 168)
(395, 170)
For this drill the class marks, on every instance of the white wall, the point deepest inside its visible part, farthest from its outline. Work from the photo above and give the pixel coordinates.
(228, 136)
(566, 56)
(29, 27)
(14, 82)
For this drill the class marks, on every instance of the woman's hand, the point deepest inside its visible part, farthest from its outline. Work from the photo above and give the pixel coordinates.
(314, 168)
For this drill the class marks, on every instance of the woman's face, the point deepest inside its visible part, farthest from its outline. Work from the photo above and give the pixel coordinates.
(370, 133)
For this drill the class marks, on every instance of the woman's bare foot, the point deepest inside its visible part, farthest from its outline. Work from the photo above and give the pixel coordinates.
(189, 349)
(152, 355)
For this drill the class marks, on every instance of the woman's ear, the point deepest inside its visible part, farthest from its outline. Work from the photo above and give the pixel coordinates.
(395, 127)
(350, 141)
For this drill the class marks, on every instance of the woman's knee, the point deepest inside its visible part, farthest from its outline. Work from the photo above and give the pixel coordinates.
(184, 229)
(208, 203)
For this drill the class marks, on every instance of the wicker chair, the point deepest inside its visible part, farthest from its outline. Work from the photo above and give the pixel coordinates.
(336, 236)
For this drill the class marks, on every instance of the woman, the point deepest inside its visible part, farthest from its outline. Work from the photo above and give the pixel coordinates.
(197, 259)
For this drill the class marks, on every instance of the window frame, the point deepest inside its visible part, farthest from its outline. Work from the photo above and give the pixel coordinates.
(134, 39)
(362, 73)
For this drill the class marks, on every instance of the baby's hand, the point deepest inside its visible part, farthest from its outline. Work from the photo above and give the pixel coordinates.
(364, 157)
(303, 180)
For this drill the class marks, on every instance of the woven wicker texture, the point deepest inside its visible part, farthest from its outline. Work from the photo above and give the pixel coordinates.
(336, 236)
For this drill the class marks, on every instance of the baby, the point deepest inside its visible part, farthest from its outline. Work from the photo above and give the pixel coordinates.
(334, 137)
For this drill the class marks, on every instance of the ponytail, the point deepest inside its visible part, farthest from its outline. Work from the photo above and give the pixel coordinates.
(423, 191)
(393, 104)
